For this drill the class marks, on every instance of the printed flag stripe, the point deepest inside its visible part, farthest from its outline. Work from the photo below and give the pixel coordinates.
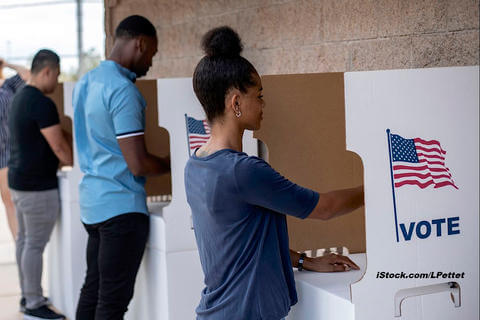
(400, 167)
(198, 140)
(414, 182)
(426, 184)
(432, 162)
(430, 156)
(420, 175)
(403, 173)
(436, 170)
(430, 149)
(445, 183)
(429, 143)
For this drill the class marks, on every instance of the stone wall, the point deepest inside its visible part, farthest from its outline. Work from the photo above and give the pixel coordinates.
(303, 36)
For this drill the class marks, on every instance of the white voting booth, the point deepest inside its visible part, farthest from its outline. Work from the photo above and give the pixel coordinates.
(414, 228)
(433, 210)
(66, 261)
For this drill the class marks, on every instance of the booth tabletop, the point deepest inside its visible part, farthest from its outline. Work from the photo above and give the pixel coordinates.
(336, 283)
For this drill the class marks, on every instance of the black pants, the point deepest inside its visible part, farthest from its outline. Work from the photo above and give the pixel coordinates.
(114, 252)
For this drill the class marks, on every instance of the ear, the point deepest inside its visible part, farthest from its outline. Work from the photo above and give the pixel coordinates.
(141, 44)
(46, 71)
(234, 100)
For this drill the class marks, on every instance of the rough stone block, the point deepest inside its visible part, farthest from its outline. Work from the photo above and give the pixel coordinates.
(261, 27)
(179, 40)
(330, 57)
(181, 11)
(462, 14)
(381, 54)
(450, 49)
(307, 59)
(206, 23)
(173, 68)
(300, 22)
(349, 19)
(262, 59)
(284, 24)
(214, 7)
(408, 17)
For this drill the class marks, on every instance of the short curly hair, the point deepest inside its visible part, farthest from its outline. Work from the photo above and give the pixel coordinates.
(134, 26)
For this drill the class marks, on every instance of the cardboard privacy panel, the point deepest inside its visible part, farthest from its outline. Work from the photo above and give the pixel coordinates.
(417, 132)
(304, 131)
(156, 138)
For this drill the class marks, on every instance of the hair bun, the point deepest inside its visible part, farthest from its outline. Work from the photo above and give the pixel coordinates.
(222, 42)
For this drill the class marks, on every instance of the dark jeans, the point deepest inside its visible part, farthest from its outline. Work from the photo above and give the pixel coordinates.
(114, 251)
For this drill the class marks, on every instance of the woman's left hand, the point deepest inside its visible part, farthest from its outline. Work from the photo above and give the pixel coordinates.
(330, 263)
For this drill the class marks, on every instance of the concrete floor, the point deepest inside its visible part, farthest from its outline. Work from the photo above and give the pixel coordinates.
(9, 287)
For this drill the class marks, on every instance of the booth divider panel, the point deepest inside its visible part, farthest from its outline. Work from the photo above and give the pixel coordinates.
(304, 130)
(157, 138)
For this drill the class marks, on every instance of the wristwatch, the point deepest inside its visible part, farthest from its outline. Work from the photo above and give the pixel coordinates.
(300, 261)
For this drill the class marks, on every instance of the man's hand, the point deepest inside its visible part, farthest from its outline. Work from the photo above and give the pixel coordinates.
(329, 263)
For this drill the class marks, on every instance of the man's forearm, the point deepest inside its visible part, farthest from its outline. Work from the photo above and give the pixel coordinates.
(64, 154)
(139, 161)
(153, 165)
(23, 72)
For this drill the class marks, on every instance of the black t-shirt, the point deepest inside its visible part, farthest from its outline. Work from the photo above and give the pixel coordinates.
(32, 165)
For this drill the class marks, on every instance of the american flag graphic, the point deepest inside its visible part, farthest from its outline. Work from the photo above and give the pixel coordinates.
(198, 132)
(419, 162)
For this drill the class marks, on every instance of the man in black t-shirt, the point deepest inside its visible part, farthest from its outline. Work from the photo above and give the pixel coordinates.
(37, 145)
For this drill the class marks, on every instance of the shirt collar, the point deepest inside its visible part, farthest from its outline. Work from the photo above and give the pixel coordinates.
(127, 73)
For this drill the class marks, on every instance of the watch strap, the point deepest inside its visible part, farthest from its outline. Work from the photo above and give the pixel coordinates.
(300, 261)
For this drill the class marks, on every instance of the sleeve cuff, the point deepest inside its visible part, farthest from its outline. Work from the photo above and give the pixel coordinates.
(314, 202)
(130, 134)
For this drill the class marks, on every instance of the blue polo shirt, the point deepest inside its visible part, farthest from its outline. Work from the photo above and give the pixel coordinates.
(239, 206)
(107, 106)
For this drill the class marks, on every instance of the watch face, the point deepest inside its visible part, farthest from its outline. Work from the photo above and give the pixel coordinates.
(300, 262)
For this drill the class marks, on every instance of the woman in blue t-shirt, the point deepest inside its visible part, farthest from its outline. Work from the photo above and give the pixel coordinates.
(239, 202)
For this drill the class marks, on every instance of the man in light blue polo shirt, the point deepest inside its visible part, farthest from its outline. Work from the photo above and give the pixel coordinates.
(109, 124)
